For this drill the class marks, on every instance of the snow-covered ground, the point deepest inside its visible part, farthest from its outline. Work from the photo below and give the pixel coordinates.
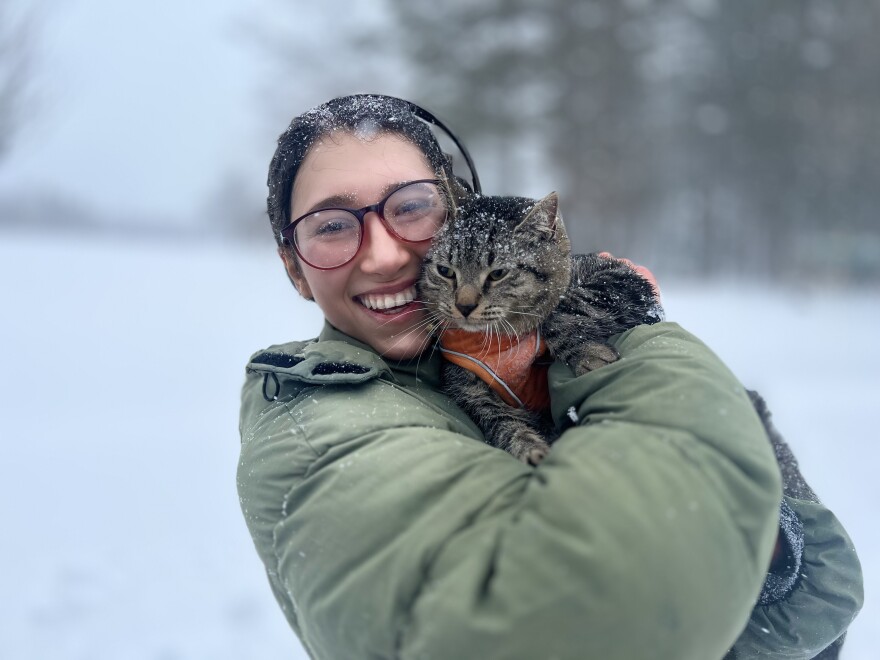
(121, 366)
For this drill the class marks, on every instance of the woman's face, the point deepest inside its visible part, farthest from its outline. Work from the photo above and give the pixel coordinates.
(360, 297)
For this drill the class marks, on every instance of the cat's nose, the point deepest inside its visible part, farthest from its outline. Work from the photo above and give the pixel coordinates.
(465, 309)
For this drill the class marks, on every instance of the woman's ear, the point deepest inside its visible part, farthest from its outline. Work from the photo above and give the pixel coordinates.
(294, 272)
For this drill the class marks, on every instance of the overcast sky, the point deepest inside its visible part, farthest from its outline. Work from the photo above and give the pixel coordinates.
(139, 104)
(144, 106)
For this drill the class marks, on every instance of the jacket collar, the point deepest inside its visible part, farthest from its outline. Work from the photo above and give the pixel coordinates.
(337, 357)
(422, 370)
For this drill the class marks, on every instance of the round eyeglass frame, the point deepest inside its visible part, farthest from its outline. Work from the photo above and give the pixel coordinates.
(287, 232)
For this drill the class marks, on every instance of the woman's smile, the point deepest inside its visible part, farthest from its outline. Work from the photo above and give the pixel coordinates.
(388, 301)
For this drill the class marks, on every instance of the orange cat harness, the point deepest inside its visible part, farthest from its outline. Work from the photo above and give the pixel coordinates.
(516, 368)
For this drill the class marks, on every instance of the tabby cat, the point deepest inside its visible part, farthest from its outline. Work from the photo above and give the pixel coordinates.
(501, 270)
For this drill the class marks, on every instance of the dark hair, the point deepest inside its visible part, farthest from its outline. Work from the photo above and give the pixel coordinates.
(369, 113)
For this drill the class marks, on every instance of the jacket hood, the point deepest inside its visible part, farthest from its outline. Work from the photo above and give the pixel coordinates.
(334, 358)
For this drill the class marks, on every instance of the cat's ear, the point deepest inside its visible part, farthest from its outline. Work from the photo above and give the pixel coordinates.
(542, 218)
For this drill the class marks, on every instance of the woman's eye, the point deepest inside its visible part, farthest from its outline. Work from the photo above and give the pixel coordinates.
(331, 228)
(414, 210)
(445, 271)
(498, 274)
(327, 225)
(412, 207)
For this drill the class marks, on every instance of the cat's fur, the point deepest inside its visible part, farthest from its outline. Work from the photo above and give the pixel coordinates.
(503, 265)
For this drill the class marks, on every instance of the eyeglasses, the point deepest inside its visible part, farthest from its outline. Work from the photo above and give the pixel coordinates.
(330, 238)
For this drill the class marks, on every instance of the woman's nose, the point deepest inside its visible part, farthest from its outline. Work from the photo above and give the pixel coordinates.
(382, 252)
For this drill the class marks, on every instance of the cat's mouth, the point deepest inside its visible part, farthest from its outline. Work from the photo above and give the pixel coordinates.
(388, 303)
(469, 325)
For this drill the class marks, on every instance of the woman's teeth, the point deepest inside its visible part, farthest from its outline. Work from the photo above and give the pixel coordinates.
(383, 301)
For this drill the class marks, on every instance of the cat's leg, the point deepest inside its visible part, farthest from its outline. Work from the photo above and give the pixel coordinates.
(606, 297)
(616, 296)
(572, 339)
(517, 431)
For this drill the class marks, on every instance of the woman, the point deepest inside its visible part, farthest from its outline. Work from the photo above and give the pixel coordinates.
(389, 529)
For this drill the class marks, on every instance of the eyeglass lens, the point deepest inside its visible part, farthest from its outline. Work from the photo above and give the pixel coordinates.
(331, 237)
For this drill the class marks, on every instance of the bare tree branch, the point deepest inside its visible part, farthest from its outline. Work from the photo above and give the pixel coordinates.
(17, 29)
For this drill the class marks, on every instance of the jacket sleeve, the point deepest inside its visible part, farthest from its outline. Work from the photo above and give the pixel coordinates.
(644, 534)
(811, 596)
(823, 600)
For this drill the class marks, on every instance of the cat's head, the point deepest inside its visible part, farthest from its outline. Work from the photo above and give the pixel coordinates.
(499, 264)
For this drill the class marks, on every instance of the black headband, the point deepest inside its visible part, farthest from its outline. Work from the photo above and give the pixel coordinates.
(429, 118)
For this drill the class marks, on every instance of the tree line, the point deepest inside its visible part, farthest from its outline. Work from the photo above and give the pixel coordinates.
(700, 136)
(697, 136)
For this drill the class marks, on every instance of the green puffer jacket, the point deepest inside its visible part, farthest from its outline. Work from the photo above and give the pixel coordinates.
(390, 530)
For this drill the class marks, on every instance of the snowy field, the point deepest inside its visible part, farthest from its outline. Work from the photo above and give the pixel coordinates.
(121, 371)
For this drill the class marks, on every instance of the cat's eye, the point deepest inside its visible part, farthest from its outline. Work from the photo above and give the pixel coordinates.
(445, 271)
(498, 274)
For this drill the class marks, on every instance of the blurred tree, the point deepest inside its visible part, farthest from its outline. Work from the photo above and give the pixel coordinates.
(236, 209)
(785, 122)
(732, 137)
(16, 56)
(561, 74)
(695, 136)
(310, 56)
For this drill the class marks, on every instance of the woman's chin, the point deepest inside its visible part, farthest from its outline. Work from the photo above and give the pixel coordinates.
(403, 345)
(400, 334)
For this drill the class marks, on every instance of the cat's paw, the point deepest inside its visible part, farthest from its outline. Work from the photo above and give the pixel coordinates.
(529, 447)
(594, 355)
(536, 455)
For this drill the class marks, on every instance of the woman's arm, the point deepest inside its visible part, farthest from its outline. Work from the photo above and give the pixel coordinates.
(645, 533)
(813, 590)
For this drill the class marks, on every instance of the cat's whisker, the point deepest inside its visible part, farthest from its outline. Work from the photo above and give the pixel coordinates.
(442, 325)
(512, 331)
(499, 328)
(409, 311)
(424, 345)
(429, 322)
(486, 342)
(487, 338)
(509, 325)
(516, 335)
(413, 329)
(498, 332)
(517, 311)
(424, 323)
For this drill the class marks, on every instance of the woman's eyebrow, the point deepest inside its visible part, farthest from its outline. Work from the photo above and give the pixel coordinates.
(346, 200)
(342, 200)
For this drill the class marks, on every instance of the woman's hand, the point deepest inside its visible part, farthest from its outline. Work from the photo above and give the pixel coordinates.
(641, 270)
